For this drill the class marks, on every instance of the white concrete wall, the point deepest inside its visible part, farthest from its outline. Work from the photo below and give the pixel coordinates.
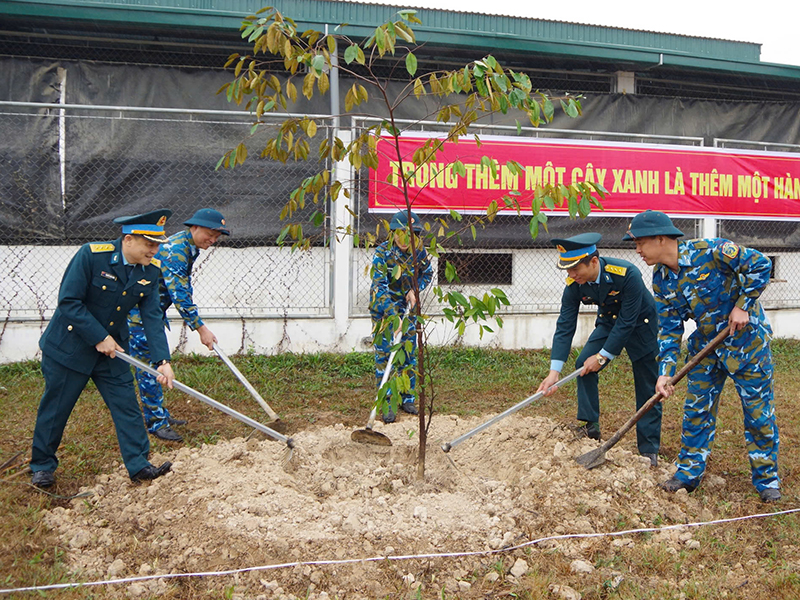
(244, 295)
(270, 336)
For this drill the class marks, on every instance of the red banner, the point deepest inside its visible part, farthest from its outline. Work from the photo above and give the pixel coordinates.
(678, 180)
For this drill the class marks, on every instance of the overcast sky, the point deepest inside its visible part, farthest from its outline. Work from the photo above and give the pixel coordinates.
(774, 24)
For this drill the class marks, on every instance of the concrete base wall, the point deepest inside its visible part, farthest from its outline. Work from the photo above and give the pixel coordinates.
(308, 335)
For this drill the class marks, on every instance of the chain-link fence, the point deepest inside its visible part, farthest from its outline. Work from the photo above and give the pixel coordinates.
(67, 171)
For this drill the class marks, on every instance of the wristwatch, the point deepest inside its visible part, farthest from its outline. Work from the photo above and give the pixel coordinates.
(163, 362)
(601, 360)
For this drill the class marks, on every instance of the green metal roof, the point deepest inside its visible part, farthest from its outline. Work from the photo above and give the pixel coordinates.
(440, 27)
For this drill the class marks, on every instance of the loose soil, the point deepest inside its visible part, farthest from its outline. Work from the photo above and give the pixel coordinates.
(235, 504)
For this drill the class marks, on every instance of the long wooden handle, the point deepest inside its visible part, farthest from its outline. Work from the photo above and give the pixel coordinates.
(691, 364)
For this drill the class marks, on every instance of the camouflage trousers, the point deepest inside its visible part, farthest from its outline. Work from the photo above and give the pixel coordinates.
(155, 413)
(383, 348)
(755, 388)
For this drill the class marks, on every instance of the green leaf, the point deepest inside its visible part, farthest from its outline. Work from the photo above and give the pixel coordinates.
(318, 64)
(283, 234)
(318, 218)
(533, 227)
(449, 271)
(351, 53)
(411, 63)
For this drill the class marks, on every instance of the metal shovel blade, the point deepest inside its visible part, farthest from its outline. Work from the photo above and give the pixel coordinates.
(593, 459)
(279, 426)
(597, 457)
(367, 436)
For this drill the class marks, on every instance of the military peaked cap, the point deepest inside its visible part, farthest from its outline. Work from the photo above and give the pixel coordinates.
(572, 250)
(149, 224)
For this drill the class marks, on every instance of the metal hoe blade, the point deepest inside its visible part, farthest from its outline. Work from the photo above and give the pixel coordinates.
(597, 457)
(450, 445)
(210, 401)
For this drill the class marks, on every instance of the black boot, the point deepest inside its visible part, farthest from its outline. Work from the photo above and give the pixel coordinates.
(151, 472)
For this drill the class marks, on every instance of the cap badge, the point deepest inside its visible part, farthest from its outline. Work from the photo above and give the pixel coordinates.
(561, 248)
(161, 221)
(222, 221)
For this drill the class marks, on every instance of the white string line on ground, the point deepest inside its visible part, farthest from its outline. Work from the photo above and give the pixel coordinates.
(399, 557)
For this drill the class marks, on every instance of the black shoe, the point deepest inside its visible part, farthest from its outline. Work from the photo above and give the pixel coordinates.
(652, 456)
(151, 472)
(168, 433)
(589, 429)
(674, 484)
(770, 494)
(176, 422)
(389, 417)
(43, 479)
(409, 407)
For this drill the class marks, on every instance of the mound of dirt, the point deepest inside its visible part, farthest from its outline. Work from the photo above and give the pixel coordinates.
(234, 504)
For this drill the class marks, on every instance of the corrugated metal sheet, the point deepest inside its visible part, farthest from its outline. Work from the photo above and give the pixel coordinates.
(454, 29)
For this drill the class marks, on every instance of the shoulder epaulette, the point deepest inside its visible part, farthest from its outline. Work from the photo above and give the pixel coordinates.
(616, 270)
(702, 244)
(155, 262)
(570, 281)
(101, 247)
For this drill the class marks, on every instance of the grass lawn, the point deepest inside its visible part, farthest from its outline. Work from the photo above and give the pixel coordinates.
(309, 391)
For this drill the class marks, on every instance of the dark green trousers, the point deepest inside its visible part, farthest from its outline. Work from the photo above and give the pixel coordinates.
(645, 374)
(63, 386)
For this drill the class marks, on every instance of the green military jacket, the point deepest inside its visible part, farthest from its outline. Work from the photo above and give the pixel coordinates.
(94, 299)
(626, 312)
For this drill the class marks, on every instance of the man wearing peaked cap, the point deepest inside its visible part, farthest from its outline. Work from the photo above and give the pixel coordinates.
(714, 282)
(176, 257)
(102, 283)
(626, 318)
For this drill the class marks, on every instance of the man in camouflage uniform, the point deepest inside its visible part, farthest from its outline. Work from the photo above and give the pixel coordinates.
(626, 318)
(714, 282)
(391, 292)
(177, 256)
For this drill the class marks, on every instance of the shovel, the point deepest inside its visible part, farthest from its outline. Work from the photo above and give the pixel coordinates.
(367, 435)
(597, 457)
(210, 401)
(449, 446)
(276, 424)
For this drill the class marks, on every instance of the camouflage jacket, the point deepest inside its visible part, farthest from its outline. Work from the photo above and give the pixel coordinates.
(713, 277)
(177, 256)
(391, 277)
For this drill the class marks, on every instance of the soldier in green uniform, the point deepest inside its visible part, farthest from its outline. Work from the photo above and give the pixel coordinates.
(626, 318)
(103, 281)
